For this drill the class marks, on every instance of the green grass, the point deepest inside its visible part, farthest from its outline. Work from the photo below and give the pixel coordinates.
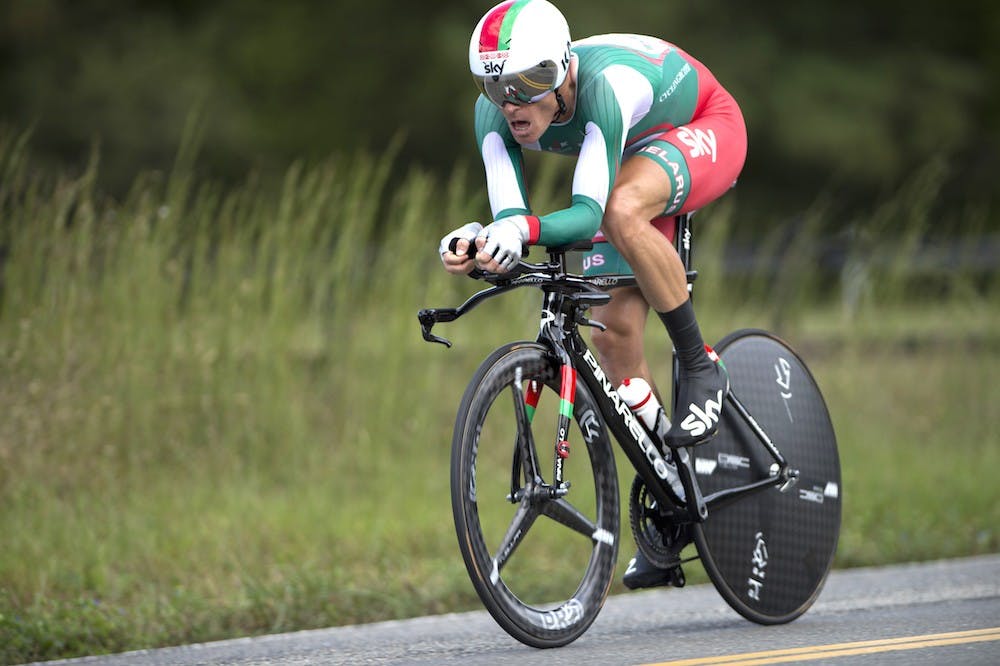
(220, 418)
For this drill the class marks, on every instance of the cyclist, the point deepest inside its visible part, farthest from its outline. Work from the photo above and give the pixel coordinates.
(654, 134)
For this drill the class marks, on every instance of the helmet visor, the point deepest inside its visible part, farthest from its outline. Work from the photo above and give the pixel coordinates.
(521, 88)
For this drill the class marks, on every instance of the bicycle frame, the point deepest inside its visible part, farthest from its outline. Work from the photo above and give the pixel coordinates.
(566, 298)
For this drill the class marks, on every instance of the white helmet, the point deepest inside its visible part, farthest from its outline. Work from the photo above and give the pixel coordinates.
(519, 51)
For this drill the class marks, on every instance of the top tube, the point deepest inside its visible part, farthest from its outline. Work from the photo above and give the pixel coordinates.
(526, 273)
(554, 275)
(550, 276)
(682, 241)
(556, 266)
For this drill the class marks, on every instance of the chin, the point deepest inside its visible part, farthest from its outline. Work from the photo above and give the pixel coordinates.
(529, 140)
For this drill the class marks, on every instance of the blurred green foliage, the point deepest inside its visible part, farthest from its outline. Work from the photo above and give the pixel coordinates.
(850, 97)
(220, 419)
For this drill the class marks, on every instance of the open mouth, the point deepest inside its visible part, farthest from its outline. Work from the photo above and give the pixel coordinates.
(520, 126)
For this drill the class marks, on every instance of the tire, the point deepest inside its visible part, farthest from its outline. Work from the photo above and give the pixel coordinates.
(546, 585)
(769, 553)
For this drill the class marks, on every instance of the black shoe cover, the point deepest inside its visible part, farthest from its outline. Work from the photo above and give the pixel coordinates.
(642, 573)
(702, 393)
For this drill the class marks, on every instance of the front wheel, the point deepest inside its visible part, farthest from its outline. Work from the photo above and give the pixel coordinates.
(769, 553)
(540, 558)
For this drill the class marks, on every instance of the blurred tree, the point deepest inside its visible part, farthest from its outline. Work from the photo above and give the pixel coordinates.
(848, 95)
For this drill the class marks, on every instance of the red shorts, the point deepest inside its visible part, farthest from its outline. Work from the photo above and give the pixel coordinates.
(702, 158)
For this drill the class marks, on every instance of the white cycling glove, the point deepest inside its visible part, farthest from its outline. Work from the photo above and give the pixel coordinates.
(505, 240)
(466, 232)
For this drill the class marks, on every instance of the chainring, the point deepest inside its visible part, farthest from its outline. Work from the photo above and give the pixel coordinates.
(657, 533)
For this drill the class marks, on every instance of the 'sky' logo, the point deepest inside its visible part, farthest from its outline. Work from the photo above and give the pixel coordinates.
(700, 420)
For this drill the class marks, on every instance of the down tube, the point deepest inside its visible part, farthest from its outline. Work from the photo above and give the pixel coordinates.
(626, 428)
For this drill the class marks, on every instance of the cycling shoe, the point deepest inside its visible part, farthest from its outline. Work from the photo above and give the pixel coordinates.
(642, 573)
(702, 393)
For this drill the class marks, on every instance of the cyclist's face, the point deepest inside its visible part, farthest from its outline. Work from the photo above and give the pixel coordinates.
(528, 122)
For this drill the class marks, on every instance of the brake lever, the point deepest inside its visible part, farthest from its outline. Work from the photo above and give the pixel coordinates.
(593, 323)
(430, 316)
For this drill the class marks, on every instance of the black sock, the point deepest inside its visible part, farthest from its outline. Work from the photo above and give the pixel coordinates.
(686, 336)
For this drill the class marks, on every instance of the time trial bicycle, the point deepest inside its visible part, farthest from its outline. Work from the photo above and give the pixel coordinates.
(761, 500)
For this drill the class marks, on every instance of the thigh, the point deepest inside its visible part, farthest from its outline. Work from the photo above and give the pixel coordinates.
(638, 197)
(701, 160)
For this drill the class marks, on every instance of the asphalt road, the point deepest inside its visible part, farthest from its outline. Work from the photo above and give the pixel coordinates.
(931, 613)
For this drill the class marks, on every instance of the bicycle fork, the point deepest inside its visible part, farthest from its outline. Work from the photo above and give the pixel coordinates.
(552, 329)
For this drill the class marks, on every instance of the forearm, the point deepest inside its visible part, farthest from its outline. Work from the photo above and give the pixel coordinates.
(578, 222)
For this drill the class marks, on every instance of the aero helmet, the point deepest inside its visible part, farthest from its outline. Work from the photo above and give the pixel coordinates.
(519, 51)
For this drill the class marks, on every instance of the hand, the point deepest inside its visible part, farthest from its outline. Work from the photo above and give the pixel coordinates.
(456, 258)
(501, 243)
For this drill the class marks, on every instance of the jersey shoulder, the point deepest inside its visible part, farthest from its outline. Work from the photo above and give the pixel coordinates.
(637, 51)
(639, 68)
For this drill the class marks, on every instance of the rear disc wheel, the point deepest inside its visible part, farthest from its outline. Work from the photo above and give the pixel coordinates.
(769, 553)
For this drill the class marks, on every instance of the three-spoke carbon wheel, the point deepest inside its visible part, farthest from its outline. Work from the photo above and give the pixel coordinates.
(769, 553)
(540, 558)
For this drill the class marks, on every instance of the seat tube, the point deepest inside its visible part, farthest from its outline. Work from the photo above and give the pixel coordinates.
(682, 243)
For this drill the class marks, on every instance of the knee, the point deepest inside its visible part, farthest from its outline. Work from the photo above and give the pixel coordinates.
(620, 347)
(608, 343)
(624, 215)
